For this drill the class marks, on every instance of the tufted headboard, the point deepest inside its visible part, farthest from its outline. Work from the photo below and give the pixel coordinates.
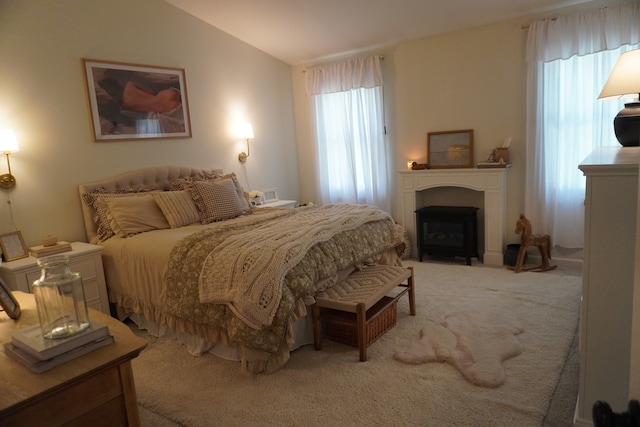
(151, 178)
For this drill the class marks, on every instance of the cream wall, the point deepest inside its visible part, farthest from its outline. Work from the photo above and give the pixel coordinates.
(472, 79)
(43, 98)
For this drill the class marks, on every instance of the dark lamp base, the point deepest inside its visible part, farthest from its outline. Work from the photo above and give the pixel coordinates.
(627, 125)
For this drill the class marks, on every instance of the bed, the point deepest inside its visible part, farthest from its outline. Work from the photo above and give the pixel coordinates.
(186, 256)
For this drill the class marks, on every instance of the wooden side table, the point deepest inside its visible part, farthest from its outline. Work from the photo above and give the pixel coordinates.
(96, 389)
(84, 258)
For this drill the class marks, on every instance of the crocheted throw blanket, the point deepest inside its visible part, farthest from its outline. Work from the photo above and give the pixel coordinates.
(249, 279)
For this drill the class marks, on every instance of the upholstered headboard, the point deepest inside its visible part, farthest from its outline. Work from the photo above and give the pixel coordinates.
(151, 178)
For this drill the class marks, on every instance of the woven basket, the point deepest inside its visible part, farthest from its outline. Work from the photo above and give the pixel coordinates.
(341, 326)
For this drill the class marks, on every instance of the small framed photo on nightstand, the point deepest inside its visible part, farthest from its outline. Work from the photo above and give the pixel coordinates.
(270, 195)
(13, 246)
(7, 302)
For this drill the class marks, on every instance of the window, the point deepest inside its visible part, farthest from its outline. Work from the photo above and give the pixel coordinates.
(347, 103)
(570, 60)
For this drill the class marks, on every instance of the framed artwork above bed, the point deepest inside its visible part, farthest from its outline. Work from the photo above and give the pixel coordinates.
(132, 101)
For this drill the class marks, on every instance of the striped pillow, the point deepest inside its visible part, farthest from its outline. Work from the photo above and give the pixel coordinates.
(217, 200)
(177, 207)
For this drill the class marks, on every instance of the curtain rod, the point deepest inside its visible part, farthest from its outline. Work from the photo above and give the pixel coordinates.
(379, 56)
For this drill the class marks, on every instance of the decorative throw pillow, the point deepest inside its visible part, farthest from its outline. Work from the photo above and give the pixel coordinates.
(184, 183)
(96, 200)
(134, 214)
(178, 207)
(244, 197)
(217, 200)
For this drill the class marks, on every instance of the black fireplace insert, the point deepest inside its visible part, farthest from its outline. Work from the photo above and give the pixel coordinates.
(448, 231)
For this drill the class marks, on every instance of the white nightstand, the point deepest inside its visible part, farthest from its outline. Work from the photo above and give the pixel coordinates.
(84, 258)
(289, 204)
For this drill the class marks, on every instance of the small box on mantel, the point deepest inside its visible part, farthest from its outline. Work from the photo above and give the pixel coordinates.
(43, 251)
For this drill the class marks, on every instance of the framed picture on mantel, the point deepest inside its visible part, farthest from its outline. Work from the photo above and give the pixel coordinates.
(450, 149)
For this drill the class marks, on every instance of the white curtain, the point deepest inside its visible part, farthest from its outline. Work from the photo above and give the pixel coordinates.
(347, 104)
(569, 60)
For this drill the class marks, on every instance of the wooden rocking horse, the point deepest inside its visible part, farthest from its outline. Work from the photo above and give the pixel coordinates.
(542, 241)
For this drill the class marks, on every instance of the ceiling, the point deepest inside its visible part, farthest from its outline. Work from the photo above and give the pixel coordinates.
(306, 31)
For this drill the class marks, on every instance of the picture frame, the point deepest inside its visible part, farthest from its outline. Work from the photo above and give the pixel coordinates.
(136, 102)
(13, 247)
(270, 195)
(450, 149)
(8, 302)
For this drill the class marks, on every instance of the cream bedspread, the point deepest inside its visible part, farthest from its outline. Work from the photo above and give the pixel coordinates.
(246, 271)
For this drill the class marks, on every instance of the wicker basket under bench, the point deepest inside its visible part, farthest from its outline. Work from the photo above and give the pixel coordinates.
(358, 310)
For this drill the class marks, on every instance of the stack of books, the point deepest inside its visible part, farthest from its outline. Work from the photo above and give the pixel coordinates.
(491, 165)
(30, 348)
(42, 251)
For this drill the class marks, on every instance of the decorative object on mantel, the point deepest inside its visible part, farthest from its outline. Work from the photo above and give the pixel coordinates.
(450, 149)
(499, 157)
(624, 82)
(417, 166)
(542, 241)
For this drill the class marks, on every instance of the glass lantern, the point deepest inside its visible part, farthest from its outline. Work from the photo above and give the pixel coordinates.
(60, 302)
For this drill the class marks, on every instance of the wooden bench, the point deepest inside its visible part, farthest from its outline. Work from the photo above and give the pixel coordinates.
(360, 302)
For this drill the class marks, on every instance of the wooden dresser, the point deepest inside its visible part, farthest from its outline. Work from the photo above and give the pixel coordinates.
(96, 389)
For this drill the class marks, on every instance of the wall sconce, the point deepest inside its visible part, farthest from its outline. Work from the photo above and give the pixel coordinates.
(624, 82)
(245, 132)
(8, 144)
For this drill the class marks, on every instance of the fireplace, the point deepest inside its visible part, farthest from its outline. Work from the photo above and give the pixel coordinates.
(448, 231)
(491, 182)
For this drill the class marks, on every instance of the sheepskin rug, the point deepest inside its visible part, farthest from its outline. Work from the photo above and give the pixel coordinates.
(475, 342)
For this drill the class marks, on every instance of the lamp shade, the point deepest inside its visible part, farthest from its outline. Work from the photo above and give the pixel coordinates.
(624, 81)
(8, 141)
(245, 131)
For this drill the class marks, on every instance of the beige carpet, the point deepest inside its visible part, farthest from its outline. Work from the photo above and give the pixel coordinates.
(331, 387)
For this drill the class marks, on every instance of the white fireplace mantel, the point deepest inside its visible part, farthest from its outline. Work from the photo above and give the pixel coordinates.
(492, 182)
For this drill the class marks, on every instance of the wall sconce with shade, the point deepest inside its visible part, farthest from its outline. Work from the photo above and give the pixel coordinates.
(245, 132)
(8, 144)
(624, 82)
